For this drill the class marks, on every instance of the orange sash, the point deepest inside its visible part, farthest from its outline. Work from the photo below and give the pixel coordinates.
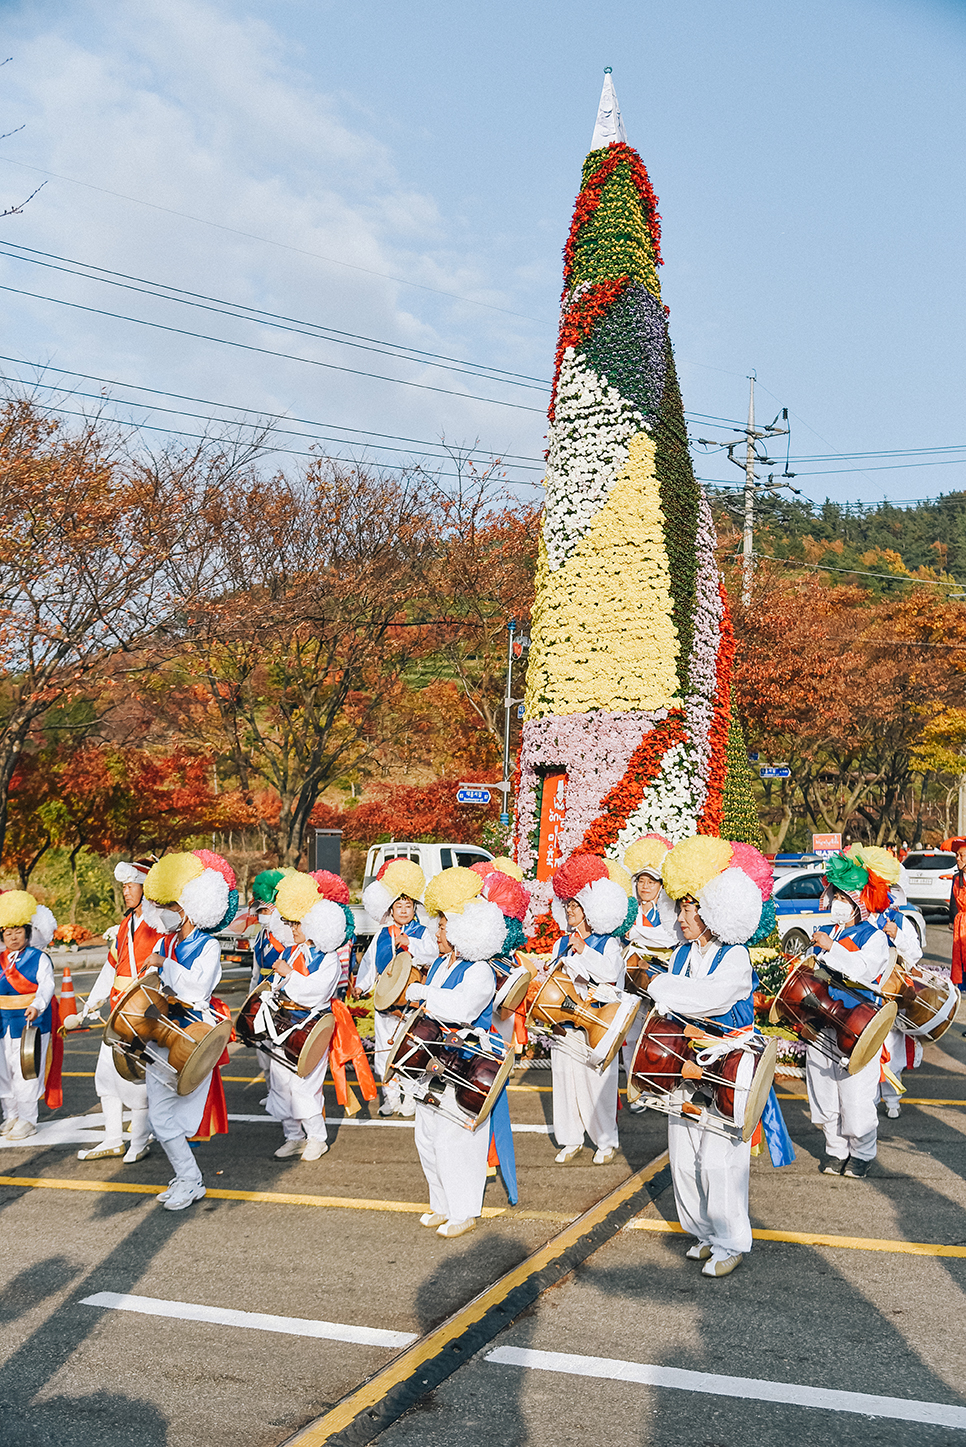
(348, 1049)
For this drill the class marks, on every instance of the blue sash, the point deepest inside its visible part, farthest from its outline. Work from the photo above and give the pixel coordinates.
(12, 1019)
(384, 950)
(741, 1014)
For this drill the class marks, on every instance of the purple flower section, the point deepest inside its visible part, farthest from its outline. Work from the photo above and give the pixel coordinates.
(628, 346)
(595, 750)
(703, 663)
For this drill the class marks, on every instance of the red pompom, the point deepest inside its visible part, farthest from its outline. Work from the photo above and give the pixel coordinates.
(482, 867)
(214, 861)
(575, 872)
(331, 886)
(875, 896)
(509, 894)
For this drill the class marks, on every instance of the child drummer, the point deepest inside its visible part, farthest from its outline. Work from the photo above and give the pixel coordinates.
(306, 975)
(392, 900)
(593, 910)
(844, 1105)
(710, 978)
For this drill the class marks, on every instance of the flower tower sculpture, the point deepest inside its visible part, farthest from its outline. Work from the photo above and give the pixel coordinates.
(627, 714)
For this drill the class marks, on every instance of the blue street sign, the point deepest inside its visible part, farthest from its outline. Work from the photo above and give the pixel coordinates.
(472, 796)
(775, 772)
(753, 757)
(520, 711)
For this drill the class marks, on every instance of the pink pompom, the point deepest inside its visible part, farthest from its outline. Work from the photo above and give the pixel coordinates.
(214, 861)
(331, 886)
(483, 867)
(753, 863)
(575, 872)
(509, 894)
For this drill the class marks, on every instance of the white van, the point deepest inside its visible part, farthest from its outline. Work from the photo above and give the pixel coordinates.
(922, 879)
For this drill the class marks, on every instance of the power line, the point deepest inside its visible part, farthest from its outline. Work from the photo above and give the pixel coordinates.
(859, 572)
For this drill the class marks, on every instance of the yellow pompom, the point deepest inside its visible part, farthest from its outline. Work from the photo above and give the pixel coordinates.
(404, 876)
(167, 878)
(17, 907)
(692, 863)
(507, 866)
(296, 894)
(450, 890)
(620, 876)
(879, 861)
(646, 853)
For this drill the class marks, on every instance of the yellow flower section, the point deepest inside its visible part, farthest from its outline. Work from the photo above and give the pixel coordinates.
(602, 632)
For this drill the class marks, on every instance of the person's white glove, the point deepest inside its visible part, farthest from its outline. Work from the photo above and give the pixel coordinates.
(415, 994)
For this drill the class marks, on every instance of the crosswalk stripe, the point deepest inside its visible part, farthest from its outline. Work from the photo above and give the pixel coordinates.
(254, 1320)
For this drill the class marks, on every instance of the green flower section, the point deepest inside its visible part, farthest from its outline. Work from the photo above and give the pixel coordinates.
(740, 813)
(614, 240)
(628, 346)
(679, 503)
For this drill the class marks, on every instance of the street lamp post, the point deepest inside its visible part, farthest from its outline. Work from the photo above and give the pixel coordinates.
(508, 701)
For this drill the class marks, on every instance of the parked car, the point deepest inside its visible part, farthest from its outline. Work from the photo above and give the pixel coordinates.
(797, 897)
(922, 877)
(784, 862)
(431, 858)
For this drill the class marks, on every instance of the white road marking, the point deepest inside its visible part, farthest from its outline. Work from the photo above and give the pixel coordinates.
(393, 1124)
(748, 1388)
(255, 1320)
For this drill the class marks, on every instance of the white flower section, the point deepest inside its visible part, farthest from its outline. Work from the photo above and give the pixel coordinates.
(668, 806)
(588, 449)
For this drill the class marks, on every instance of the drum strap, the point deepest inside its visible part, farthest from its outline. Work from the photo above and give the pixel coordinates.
(714, 1048)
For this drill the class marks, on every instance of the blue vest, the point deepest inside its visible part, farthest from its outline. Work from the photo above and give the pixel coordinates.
(186, 952)
(861, 933)
(596, 942)
(384, 950)
(741, 1014)
(265, 954)
(483, 1021)
(12, 1022)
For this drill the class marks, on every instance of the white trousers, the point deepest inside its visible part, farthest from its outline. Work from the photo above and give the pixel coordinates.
(20, 1098)
(453, 1160)
(709, 1172)
(583, 1101)
(398, 1091)
(298, 1104)
(895, 1045)
(114, 1092)
(842, 1104)
(172, 1115)
(182, 1158)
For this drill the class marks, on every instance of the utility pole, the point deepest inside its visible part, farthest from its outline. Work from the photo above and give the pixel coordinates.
(750, 481)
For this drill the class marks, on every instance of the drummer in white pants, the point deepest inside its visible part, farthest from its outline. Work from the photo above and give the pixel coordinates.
(392, 899)
(458, 992)
(844, 1105)
(307, 976)
(26, 992)
(655, 928)
(710, 978)
(905, 937)
(140, 935)
(189, 963)
(593, 908)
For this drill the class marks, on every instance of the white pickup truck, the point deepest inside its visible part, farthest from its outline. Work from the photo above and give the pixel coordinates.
(431, 858)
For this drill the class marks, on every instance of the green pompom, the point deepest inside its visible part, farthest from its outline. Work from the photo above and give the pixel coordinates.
(265, 884)
(845, 872)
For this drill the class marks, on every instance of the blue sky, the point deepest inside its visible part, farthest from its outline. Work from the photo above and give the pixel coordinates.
(406, 173)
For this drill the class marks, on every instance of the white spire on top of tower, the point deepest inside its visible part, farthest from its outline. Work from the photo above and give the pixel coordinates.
(609, 125)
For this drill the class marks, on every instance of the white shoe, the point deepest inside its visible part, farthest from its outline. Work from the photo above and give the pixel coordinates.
(8, 1125)
(21, 1130)
(722, 1265)
(457, 1228)
(700, 1251)
(290, 1148)
(387, 1108)
(569, 1153)
(893, 1112)
(100, 1153)
(432, 1218)
(637, 1107)
(313, 1150)
(408, 1109)
(133, 1155)
(182, 1194)
(603, 1157)
(163, 1195)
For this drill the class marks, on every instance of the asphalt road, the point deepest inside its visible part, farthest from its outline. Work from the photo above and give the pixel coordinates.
(349, 1254)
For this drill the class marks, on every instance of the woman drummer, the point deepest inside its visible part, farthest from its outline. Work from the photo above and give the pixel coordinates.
(458, 992)
(656, 926)
(392, 899)
(199, 888)
(710, 978)
(26, 992)
(593, 910)
(844, 1105)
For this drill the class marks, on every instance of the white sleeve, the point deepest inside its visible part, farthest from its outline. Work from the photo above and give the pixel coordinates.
(605, 968)
(316, 988)
(426, 949)
(866, 965)
(366, 973)
(101, 989)
(45, 984)
(653, 937)
(464, 1002)
(907, 944)
(195, 984)
(704, 995)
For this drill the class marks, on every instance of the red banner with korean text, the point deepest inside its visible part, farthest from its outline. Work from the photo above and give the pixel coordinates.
(553, 807)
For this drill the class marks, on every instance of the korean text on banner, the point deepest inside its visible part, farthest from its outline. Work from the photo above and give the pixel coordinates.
(553, 806)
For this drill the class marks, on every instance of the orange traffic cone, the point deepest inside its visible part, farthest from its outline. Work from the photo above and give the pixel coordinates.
(68, 997)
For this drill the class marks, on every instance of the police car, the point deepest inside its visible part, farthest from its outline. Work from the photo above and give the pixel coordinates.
(797, 897)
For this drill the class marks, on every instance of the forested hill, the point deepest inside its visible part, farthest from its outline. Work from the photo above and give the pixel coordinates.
(928, 536)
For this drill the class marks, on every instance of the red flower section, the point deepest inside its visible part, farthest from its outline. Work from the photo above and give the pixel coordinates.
(589, 200)
(645, 763)
(331, 886)
(577, 322)
(545, 935)
(575, 872)
(713, 814)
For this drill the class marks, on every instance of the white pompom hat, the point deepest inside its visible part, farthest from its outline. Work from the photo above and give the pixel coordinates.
(478, 932)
